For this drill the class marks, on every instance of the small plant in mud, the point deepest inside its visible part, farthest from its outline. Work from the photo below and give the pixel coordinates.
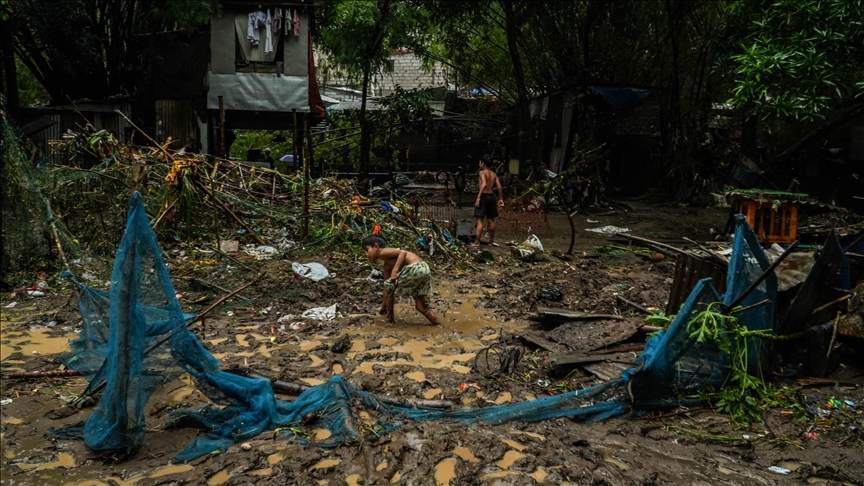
(744, 395)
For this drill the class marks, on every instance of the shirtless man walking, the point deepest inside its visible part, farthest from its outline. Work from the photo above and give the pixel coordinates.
(485, 208)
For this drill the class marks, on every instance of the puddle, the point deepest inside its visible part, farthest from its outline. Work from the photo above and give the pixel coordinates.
(395, 479)
(417, 376)
(274, 459)
(607, 456)
(353, 480)
(241, 340)
(312, 381)
(186, 391)
(12, 421)
(216, 342)
(381, 467)
(358, 346)
(325, 464)
(246, 328)
(388, 341)
(321, 434)
(262, 472)
(529, 397)
(792, 466)
(337, 369)
(816, 479)
(491, 337)
(64, 460)
(530, 434)
(316, 361)
(445, 471)
(539, 475)
(309, 345)
(512, 443)
(430, 394)
(38, 342)
(510, 457)
(425, 354)
(165, 471)
(498, 475)
(723, 470)
(219, 478)
(503, 398)
(465, 454)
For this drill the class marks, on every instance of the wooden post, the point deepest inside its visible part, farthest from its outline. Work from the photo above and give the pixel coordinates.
(294, 139)
(307, 160)
(222, 126)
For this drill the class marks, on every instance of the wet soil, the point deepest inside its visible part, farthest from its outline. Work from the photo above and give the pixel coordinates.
(413, 359)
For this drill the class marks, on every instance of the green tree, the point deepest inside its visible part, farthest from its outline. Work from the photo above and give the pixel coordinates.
(797, 59)
(358, 36)
(84, 48)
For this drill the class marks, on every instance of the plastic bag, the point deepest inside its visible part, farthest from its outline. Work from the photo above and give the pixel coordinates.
(313, 270)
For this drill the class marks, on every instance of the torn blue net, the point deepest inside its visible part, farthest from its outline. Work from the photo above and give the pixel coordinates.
(148, 343)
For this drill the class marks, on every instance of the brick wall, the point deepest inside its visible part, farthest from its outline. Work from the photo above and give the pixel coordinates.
(407, 72)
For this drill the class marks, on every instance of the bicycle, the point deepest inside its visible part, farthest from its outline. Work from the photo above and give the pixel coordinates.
(459, 180)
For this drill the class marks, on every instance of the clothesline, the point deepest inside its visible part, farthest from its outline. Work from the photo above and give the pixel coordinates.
(271, 22)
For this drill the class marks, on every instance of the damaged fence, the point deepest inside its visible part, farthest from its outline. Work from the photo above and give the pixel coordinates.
(148, 343)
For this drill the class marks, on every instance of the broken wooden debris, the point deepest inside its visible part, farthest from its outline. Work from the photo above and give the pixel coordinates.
(579, 358)
(540, 342)
(624, 348)
(607, 371)
(633, 304)
(571, 314)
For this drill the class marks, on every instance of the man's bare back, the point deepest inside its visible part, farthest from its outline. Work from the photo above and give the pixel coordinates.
(485, 207)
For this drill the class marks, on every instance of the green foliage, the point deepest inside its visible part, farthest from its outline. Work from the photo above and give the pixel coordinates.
(744, 396)
(794, 58)
(409, 109)
(30, 92)
(275, 140)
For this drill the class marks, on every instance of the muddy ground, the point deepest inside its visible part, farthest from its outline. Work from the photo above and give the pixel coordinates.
(412, 359)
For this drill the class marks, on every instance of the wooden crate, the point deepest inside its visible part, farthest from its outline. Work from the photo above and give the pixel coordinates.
(770, 225)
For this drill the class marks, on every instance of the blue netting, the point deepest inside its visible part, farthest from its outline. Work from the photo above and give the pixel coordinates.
(148, 343)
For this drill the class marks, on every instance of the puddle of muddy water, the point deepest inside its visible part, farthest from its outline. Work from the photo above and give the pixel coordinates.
(353, 480)
(306, 346)
(35, 342)
(498, 475)
(321, 434)
(221, 477)
(326, 463)
(381, 467)
(64, 460)
(512, 443)
(503, 398)
(395, 479)
(445, 471)
(465, 454)
(510, 458)
(337, 369)
(430, 394)
(607, 456)
(417, 376)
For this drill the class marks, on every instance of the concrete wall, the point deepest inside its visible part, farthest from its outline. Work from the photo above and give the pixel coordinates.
(407, 72)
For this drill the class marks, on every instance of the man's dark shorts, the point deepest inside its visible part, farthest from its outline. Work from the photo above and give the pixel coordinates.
(488, 207)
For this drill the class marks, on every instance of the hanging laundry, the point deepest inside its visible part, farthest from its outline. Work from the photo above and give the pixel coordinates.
(296, 24)
(277, 20)
(268, 34)
(256, 21)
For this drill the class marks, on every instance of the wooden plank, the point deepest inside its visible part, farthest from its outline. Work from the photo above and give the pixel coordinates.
(578, 358)
(571, 314)
(542, 342)
(607, 371)
(624, 348)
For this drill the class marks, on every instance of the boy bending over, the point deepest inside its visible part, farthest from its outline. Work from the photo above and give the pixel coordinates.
(404, 271)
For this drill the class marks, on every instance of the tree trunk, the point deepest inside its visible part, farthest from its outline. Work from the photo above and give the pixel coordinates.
(365, 136)
(528, 149)
(10, 73)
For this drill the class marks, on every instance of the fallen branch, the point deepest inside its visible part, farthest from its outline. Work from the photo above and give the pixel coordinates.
(829, 304)
(661, 247)
(633, 305)
(236, 218)
(625, 348)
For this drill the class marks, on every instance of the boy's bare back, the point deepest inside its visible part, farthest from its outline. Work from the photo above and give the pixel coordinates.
(391, 255)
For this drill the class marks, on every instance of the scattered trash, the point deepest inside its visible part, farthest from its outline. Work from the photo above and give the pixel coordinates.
(229, 246)
(321, 313)
(850, 403)
(296, 326)
(246, 446)
(375, 275)
(314, 271)
(11, 305)
(530, 250)
(779, 470)
(465, 386)
(608, 230)
(35, 293)
(812, 435)
(389, 208)
(591, 221)
(260, 252)
(485, 256)
(552, 293)
(6, 401)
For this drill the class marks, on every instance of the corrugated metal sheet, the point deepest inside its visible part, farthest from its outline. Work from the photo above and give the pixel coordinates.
(176, 119)
(689, 270)
(102, 117)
